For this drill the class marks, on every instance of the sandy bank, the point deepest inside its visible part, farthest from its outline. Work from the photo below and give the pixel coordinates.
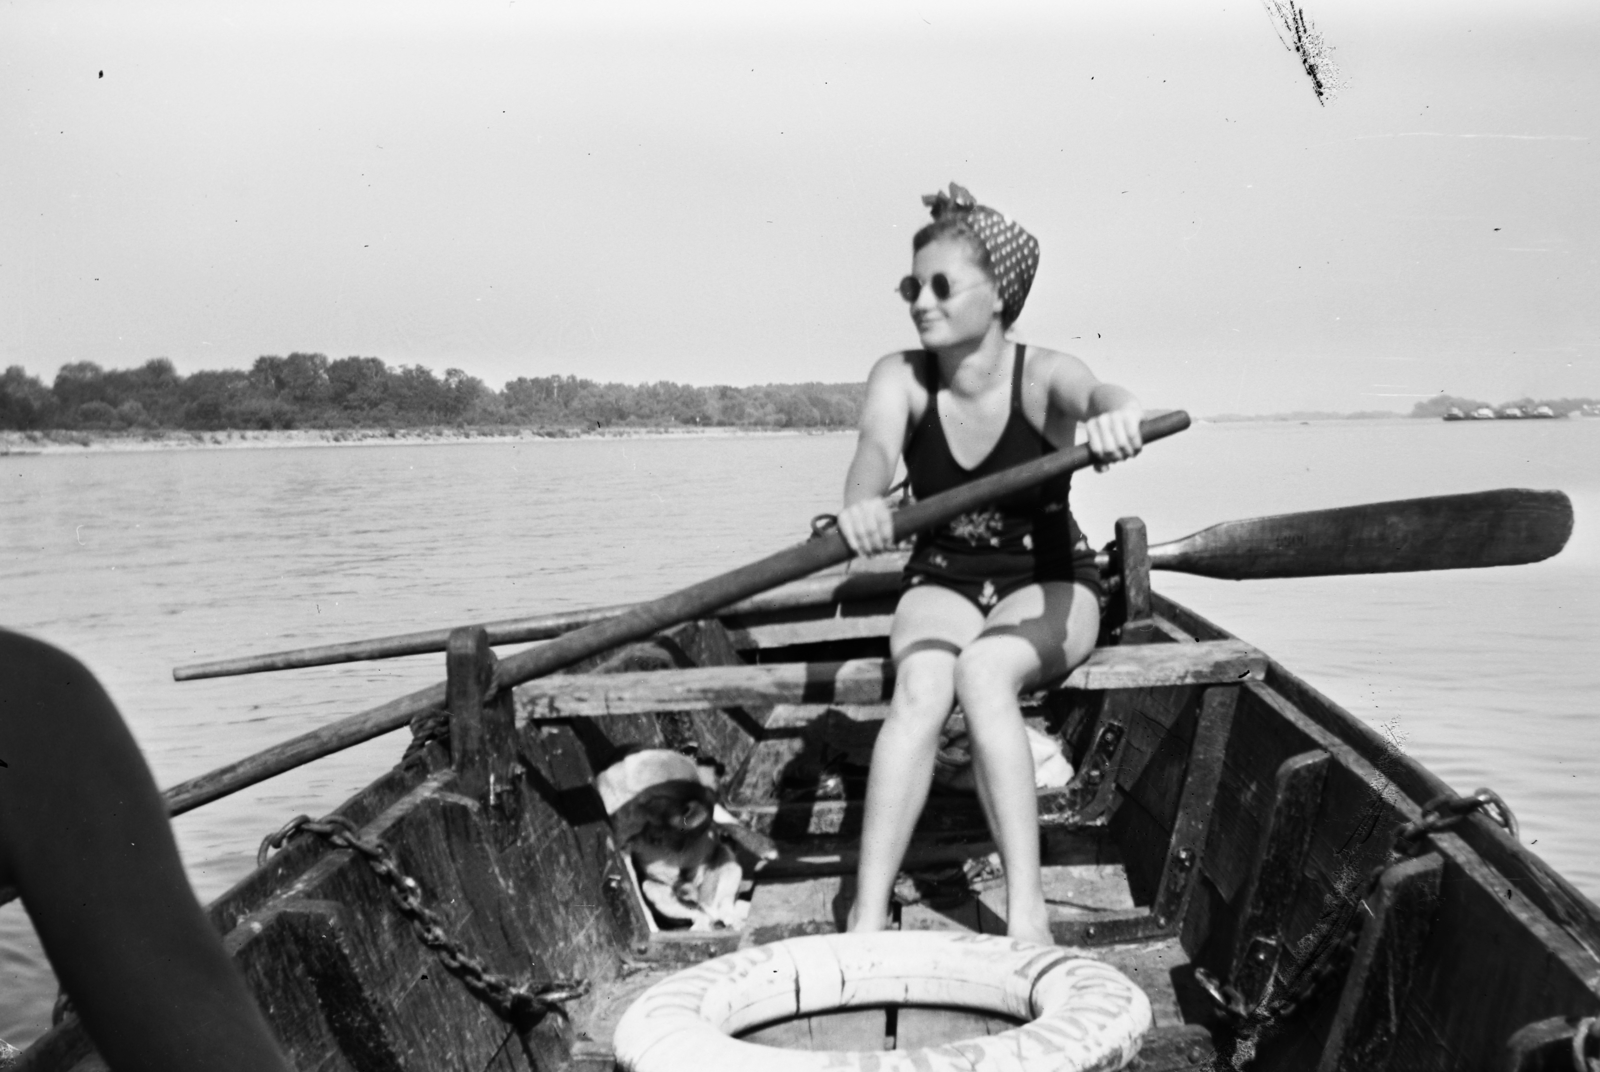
(61, 442)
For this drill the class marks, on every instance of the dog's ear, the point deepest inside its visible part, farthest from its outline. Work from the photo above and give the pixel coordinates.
(665, 813)
(709, 771)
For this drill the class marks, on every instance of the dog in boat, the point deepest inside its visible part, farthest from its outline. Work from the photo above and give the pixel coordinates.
(665, 815)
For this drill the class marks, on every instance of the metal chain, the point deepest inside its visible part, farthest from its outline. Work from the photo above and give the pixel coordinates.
(1446, 810)
(429, 726)
(521, 1005)
(1587, 1033)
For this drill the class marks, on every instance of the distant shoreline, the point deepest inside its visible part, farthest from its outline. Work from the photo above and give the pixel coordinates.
(1310, 415)
(62, 441)
(101, 442)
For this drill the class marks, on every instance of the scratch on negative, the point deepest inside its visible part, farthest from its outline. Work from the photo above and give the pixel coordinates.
(1306, 41)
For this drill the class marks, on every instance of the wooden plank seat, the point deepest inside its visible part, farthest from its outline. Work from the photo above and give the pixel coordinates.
(860, 681)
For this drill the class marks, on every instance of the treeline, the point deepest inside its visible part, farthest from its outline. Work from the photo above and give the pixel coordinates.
(310, 391)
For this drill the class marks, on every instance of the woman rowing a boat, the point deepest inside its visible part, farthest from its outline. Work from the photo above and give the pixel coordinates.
(1004, 598)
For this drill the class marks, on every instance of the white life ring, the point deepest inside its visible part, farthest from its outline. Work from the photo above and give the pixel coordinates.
(1083, 1014)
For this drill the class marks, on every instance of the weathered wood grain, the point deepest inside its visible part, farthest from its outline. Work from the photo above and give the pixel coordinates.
(1176, 1048)
(1488, 528)
(482, 738)
(783, 1035)
(816, 631)
(332, 1023)
(1058, 848)
(1202, 777)
(1378, 981)
(595, 1017)
(1568, 907)
(1277, 872)
(860, 681)
(514, 884)
(1469, 995)
(1530, 874)
(728, 737)
(584, 695)
(800, 715)
(851, 1030)
(1155, 763)
(785, 909)
(918, 1028)
(1133, 566)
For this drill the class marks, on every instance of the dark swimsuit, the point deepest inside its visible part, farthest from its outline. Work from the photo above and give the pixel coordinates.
(1020, 540)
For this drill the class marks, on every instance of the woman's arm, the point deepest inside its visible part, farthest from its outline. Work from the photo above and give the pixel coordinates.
(866, 522)
(1110, 414)
(85, 839)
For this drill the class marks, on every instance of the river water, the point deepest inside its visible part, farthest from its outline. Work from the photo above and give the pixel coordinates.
(138, 562)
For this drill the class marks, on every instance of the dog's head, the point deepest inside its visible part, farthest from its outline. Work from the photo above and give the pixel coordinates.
(669, 815)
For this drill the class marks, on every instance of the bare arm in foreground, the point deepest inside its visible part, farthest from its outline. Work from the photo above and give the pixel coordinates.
(84, 838)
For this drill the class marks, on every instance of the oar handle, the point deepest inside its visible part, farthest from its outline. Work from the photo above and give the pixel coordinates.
(951, 504)
(701, 599)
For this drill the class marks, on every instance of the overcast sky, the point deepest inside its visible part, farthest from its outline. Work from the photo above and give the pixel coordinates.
(725, 192)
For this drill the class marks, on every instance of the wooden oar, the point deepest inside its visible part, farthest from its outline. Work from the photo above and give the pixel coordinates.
(809, 592)
(801, 560)
(1508, 527)
(1488, 528)
(642, 620)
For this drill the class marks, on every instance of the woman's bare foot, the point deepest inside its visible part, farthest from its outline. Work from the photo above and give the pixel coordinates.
(1031, 924)
(860, 922)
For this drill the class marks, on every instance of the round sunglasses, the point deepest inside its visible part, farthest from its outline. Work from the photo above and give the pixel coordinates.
(911, 287)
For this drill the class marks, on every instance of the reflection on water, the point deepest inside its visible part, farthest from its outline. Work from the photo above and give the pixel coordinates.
(140, 562)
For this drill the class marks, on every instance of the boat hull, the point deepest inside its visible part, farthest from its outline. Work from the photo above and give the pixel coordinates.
(1232, 838)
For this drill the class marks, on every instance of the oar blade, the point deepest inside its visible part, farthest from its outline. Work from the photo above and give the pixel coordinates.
(1508, 527)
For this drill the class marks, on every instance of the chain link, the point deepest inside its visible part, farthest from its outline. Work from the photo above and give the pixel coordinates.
(521, 1005)
(1447, 810)
(1586, 1037)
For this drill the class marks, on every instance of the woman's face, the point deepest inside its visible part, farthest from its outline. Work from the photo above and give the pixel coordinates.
(974, 300)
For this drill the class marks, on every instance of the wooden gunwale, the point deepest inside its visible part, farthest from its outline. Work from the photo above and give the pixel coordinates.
(1277, 716)
(1534, 878)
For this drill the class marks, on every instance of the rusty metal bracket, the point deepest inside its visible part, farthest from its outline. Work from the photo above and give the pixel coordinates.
(1087, 799)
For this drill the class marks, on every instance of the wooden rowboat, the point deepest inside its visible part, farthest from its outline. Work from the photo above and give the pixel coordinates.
(1288, 890)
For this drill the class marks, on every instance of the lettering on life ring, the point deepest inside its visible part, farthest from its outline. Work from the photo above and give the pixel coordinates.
(1081, 1014)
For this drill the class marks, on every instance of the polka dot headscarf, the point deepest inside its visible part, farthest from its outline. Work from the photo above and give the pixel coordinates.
(1013, 252)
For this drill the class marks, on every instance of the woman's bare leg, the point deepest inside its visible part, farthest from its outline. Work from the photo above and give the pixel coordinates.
(1034, 635)
(930, 627)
